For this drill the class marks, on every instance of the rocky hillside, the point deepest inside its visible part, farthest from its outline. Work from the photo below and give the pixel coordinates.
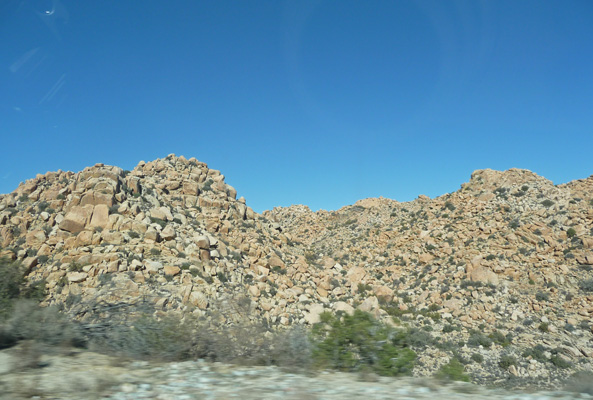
(497, 274)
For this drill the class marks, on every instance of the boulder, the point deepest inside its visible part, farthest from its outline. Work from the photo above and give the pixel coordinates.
(168, 233)
(483, 274)
(35, 238)
(171, 270)
(100, 217)
(76, 277)
(153, 267)
(369, 304)
(203, 242)
(77, 218)
(313, 316)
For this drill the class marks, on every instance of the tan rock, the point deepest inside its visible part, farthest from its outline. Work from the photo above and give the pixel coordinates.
(356, 275)
(84, 238)
(152, 235)
(35, 238)
(275, 261)
(95, 198)
(153, 267)
(483, 274)
(100, 217)
(343, 306)
(168, 233)
(77, 218)
(76, 277)
(254, 291)
(322, 292)
(369, 304)
(199, 300)
(161, 213)
(384, 292)
(202, 242)
(112, 237)
(314, 313)
(171, 270)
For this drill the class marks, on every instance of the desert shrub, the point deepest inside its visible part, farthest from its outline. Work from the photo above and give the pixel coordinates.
(13, 286)
(29, 321)
(74, 267)
(419, 338)
(449, 206)
(536, 353)
(450, 328)
(42, 206)
(498, 338)
(146, 337)
(580, 382)
(278, 269)
(571, 232)
(477, 357)
(161, 222)
(478, 339)
(292, 349)
(506, 361)
(544, 327)
(133, 234)
(362, 288)
(34, 290)
(10, 284)
(453, 371)
(359, 342)
(547, 203)
(207, 185)
(560, 362)
(542, 296)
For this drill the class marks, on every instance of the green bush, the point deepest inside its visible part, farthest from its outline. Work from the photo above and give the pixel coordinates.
(506, 361)
(477, 339)
(536, 353)
(547, 203)
(560, 362)
(544, 327)
(358, 342)
(453, 371)
(542, 296)
(477, 357)
(571, 232)
(498, 338)
(586, 285)
(11, 283)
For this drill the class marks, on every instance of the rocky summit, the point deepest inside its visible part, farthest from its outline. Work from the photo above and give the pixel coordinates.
(497, 275)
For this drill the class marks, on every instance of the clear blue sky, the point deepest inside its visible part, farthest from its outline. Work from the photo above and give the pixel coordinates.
(300, 102)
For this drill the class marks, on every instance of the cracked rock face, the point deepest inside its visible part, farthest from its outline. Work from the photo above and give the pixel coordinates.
(505, 251)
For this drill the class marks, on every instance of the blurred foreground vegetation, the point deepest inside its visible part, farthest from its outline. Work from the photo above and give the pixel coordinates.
(350, 343)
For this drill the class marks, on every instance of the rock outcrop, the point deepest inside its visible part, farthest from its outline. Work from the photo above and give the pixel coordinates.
(508, 255)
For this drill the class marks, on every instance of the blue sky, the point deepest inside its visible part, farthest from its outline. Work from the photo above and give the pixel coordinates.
(300, 102)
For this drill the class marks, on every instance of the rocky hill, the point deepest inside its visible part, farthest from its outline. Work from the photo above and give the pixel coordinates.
(498, 274)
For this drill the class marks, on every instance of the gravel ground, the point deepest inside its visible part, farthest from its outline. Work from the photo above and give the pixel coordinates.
(87, 375)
